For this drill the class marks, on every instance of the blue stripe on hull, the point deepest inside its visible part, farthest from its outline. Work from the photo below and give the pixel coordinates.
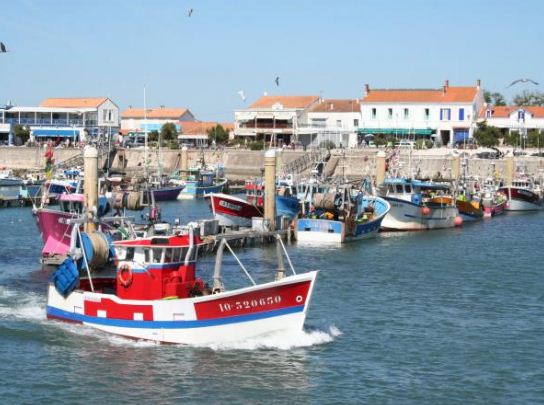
(125, 323)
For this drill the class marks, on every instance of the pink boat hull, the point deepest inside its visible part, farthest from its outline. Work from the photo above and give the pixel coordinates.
(55, 234)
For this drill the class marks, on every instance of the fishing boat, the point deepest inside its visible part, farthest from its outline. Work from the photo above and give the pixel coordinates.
(55, 227)
(470, 206)
(200, 183)
(148, 288)
(493, 201)
(522, 195)
(165, 192)
(233, 211)
(337, 216)
(7, 179)
(418, 205)
(287, 203)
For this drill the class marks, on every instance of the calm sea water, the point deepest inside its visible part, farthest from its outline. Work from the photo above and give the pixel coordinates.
(453, 316)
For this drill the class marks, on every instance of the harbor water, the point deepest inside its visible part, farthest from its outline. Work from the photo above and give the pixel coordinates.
(451, 316)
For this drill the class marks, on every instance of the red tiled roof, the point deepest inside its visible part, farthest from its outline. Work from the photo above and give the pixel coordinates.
(164, 113)
(286, 101)
(76, 102)
(199, 127)
(451, 95)
(505, 111)
(336, 105)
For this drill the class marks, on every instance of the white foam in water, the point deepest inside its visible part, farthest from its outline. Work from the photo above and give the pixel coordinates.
(282, 340)
(29, 306)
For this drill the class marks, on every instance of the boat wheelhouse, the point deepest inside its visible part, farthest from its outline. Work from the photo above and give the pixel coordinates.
(523, 195)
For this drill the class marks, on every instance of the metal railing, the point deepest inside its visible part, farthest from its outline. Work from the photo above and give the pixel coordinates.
(51, 122)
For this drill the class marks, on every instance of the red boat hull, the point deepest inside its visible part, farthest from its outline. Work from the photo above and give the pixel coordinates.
(233, 211)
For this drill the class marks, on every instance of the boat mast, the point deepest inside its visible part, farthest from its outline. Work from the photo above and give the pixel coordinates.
(146, 169)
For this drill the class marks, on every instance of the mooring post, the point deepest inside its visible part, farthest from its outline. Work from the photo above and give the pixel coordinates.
(184, 162)
(380, 168)
(90, 163)
(270, 188)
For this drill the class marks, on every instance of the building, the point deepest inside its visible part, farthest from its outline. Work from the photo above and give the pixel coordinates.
(513, 118)
(195, 133)
(136, 119)
(56, 118)
(447, 114)
(274, 119)
(333, 120)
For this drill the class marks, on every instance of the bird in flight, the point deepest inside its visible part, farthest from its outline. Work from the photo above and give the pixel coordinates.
(190, 12)
(242, 95)
(277, 80)
(3, 48)
(523, 81)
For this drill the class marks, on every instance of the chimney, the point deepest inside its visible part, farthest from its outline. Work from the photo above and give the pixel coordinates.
(447, 83)
(331, 106)
(367, 89)
(478, 83)
(444, 89)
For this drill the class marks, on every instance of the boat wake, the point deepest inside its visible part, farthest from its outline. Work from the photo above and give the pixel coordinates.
(14, 305)
(282, 340)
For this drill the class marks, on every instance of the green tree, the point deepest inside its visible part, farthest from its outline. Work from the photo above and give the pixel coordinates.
(218, 134)
(169, 132)
(494, 98)
(535, 139)
(22, 134)
(153, 136)
(529, 98)
(486, 135)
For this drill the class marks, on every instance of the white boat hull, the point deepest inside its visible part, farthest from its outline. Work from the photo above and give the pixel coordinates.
(405, 216)
(520, 205)
(225, 317)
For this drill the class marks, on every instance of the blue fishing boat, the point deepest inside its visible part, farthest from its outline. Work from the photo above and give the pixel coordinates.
(200, 183)
(338, 216)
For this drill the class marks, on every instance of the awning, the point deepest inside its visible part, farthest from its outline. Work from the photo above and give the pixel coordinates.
(396, 131)
(53, 133)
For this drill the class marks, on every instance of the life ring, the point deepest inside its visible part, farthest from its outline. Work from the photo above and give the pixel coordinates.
(124, 275)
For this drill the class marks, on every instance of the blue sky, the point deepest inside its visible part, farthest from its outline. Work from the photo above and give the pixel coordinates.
(69, 48)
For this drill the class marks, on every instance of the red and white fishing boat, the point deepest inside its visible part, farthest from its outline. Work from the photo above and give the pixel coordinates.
(150, 291)
(233, 211)
(522, 195)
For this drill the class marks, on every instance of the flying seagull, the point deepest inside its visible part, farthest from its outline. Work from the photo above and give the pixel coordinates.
(190, 13)
(523, 81)
(242, 95)
(277, 80)
(3, 48)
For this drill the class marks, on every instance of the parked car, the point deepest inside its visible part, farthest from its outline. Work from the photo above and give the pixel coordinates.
(134, 141)
(405, 144)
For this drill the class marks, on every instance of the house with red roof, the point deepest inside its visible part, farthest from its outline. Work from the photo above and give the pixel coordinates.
(274, 119)
(74, 118)
(513, 118)
(195, 133)
(447, 114)
(152, 119)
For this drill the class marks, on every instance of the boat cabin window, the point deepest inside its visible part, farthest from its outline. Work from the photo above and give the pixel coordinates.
(390, 189)
(400, 188)
(408, 188)
(125, 253)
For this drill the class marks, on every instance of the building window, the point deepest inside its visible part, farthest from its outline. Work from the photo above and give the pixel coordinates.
(427, 113)
(356, 123)
(406, 113)
(521, 115)
(373, 113)
(488, 113)
(390, 113)
(339, 123)
(445, 114)
(461, 114)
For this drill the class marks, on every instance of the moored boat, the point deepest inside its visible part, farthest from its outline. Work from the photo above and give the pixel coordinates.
(418, 205)
(470, 209)
(233, 211)
(522, 195)
(338, 217)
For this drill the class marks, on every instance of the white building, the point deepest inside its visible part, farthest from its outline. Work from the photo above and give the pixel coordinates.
(65, 117)
(274, 119)
(335, 120)
(513, 118)
(448, 114)
(136, 119)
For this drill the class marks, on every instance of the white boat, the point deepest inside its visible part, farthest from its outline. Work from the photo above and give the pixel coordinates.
(418, 205)
(7, 179)
(152, 292)
(522, 195)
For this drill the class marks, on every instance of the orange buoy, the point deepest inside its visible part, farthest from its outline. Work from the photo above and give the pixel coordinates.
(425, 211)
(458, 221)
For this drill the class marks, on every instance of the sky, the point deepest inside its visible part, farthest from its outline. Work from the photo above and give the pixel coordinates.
(115, 48)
